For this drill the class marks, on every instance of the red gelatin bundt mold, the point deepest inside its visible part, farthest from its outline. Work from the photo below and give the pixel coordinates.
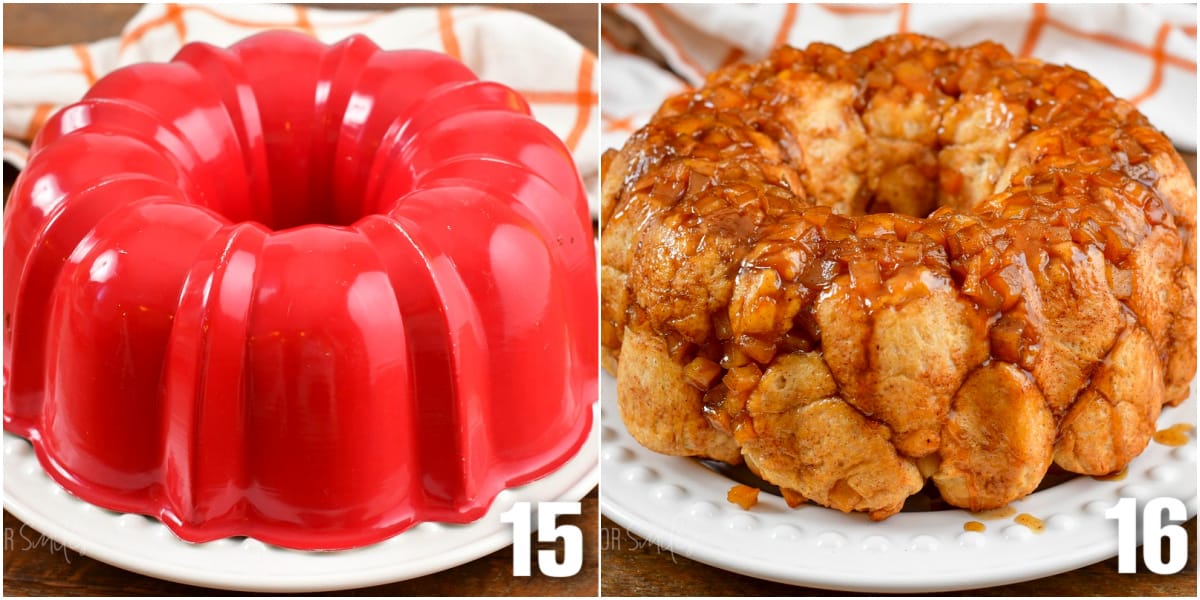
(310, 294)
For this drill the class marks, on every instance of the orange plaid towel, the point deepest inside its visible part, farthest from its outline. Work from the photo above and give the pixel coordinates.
(1146, 54)
(555, 74)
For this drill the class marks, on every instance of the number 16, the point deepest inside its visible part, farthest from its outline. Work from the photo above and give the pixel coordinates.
(1153, 530)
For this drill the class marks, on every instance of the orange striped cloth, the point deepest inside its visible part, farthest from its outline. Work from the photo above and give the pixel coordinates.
(1146, 54)
(556, 75)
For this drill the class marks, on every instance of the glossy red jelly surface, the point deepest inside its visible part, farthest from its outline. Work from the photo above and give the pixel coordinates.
(310, 294)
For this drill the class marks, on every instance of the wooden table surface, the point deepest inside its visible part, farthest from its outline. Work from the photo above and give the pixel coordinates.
(35, 565)
(634, 567)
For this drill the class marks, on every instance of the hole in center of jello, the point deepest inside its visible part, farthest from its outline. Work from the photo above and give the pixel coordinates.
(307, 174)
(302, 192)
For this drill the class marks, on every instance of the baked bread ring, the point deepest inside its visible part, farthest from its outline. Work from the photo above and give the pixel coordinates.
(860, 270)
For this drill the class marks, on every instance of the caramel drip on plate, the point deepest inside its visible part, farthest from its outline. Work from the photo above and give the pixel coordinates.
(1175, 435)
(1033, 523)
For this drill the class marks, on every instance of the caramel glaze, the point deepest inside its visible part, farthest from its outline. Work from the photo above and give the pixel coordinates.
(1175, 435)
(1033, 523)
(975, 526)
(723, 229)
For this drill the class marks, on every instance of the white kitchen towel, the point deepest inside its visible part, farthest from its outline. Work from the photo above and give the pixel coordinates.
(555, 74)
(1145, 53)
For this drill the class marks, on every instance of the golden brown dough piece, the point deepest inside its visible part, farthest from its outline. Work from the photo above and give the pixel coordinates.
(999, 439)
(857, 270)
(661, 410)
(802, 436)
(1113, 419)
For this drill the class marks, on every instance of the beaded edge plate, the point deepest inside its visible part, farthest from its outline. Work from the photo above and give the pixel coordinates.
(680, 505)
(144, 545)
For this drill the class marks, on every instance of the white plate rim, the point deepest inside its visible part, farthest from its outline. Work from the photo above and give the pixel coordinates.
(641, 493)
(146, 546)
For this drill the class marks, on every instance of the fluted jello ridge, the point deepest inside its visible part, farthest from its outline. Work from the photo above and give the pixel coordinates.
(310, 294)
(823, 245)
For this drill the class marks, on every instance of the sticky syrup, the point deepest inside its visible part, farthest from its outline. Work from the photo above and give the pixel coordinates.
(1033, 523)
(1175, 435)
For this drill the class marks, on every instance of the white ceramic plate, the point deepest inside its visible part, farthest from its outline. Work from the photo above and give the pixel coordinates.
(680, 505)
(144, 545)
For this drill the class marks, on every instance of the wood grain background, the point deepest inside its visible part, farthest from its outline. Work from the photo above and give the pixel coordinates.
(33, 565)
(36, 566)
